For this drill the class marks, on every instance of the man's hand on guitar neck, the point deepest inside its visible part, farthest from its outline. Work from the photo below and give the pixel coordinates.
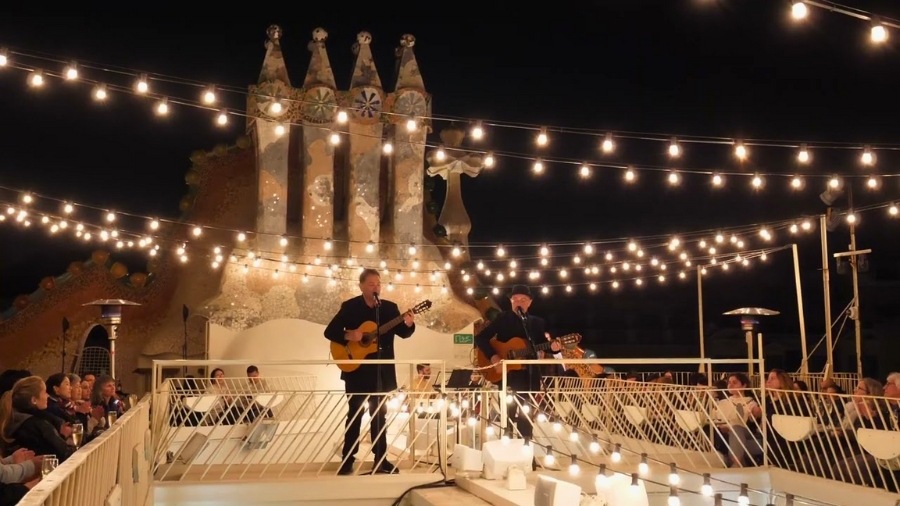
(353, 335)
(555, 346)
(408, 319)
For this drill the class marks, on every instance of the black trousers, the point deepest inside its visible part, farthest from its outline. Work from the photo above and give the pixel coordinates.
(524, 380)
(11, 494)
(354, 420)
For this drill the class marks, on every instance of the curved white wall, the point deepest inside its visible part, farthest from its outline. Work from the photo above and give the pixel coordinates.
(292, 339)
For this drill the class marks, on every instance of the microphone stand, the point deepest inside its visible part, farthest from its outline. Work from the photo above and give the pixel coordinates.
(528, 368)
(378, 383)
(376, 415)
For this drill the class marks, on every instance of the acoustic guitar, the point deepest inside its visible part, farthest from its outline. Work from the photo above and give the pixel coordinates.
(516, 349)
(368, 345)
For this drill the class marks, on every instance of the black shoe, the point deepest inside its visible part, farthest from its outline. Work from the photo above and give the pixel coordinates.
(386, 468)
(346, 468)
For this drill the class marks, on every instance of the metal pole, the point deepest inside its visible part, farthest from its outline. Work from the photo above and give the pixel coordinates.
(857, 325)
(700, 314)
(804, 367)
(826, 282)
(112, 350)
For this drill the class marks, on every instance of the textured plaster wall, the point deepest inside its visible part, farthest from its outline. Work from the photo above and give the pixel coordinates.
(294, 339)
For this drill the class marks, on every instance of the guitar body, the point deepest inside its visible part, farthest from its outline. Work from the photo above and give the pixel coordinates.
(516, 349)
(503, 350)
(367, 346)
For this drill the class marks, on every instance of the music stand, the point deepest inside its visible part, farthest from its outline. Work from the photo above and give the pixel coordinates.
(460, 379)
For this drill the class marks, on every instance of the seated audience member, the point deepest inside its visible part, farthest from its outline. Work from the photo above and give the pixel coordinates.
(732, 413)
(227, 409)
(25, 423)
(104, 394)
(858, 466)
(256, 385)
(18, 473)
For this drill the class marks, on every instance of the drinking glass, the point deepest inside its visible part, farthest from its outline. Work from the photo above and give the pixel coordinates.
(48, 464)
(77, 434)
(111, 418)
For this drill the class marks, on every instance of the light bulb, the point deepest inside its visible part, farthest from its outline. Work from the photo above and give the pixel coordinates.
(334, 138)
(100, 92)
(36, 78)
(674, 178)
(602, 480)
(411, 125)
(643, 467)
(488, 160)
(573, 467)
(549, 459)
(717, 180)
(879, 33)
(387, 148)
(867, 157)
(280, 129)
(342, 116)
(799, 10)
(608, 146)
(594, 447)
(674, 479)
(740, 151)
(616, 455)
(72, 72)
(542, 138)
(209, 96)
(162, 107)
(222, 117)
(743, 498)
(585, 171)
(803, 155)
(706, 489)
(674, 148)
(673, 500)
(538, 166)
(478, 131)
(142, 84)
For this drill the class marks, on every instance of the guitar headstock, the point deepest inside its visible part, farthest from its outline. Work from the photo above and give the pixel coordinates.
(569, 339)
(421, 307)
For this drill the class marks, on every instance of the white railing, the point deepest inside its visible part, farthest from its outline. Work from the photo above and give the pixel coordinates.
(235, 428)
(113, 467)
(851, 439)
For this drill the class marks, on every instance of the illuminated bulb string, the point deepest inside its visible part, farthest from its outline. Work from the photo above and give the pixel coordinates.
(38, 78)
(575, 464)
(69, 209)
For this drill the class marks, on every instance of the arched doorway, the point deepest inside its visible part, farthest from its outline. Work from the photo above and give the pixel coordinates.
(94, 357)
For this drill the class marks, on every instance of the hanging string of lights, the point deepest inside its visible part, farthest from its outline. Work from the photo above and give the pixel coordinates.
(210, 100)
(493, 427)
(878, 30)
(715, 247)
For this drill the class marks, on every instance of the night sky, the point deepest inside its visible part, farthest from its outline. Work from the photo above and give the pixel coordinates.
(718, 68)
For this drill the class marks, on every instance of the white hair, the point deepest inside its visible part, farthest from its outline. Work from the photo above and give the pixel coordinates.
(894, 378)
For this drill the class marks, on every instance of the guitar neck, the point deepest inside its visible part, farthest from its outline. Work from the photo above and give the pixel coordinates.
(543, 346)
(389, 325)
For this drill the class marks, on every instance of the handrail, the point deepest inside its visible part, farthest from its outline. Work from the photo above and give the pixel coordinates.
(106, 463)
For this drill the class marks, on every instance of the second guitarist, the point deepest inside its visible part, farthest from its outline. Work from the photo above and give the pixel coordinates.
(353, 313)
(507, 325)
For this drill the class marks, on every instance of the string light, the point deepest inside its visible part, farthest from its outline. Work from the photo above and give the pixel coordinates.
(209, 96)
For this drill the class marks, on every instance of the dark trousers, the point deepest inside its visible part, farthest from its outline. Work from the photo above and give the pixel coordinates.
(354, 420)
(11, 494)
(525, 380)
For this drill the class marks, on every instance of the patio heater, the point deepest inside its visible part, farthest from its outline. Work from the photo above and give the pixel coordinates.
(111, 318)
(749, 323)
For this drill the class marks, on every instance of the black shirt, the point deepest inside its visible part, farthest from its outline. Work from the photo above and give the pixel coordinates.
(353, 313)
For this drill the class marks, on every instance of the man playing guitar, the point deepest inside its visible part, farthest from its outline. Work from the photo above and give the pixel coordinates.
(508, 325)
(343, 328)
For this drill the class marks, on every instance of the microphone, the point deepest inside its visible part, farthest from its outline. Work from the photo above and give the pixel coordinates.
(377, 300)
(520, 312)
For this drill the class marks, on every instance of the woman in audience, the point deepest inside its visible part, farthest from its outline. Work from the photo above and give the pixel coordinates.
(25, 423)
(778, 400)
(59, 398)
(225, 410)
(104, 394)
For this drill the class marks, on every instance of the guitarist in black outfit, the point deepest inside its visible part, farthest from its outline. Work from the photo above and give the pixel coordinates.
(364, 380)
(510, 324)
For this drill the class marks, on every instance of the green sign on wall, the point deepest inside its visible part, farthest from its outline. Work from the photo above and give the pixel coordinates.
(463, 339)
